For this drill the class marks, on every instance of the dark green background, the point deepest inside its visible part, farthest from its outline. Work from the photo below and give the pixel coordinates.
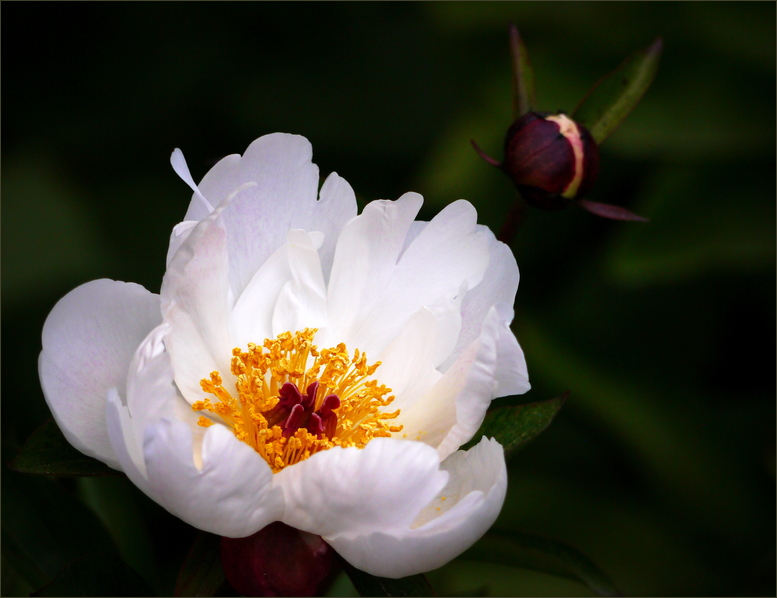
(661, 466)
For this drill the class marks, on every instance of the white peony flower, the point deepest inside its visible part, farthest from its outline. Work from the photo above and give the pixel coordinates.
(302, 363)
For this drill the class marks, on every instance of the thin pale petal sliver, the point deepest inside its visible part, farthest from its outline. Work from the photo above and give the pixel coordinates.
(125, 444)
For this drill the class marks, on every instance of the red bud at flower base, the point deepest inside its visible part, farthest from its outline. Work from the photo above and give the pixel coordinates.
(278, 561)
(551, 159)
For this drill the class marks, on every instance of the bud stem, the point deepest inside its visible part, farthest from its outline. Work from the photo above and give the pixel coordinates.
(513, 221)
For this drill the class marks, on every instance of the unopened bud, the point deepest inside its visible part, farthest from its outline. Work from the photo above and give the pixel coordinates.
(551, 159)
(278, 561)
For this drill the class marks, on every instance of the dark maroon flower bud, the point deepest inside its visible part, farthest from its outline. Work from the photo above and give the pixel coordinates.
(551, 159)
(278, 561)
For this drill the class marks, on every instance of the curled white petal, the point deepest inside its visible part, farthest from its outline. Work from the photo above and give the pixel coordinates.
(88, 341)
(352, 491)
(232, 494)
(454, 520)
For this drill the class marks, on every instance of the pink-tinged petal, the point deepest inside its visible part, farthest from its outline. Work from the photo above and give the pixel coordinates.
(284, 198)
(302, 301)
(454, 520)
(357, 491)
(88, 341)
(197, 306)
(232, 494)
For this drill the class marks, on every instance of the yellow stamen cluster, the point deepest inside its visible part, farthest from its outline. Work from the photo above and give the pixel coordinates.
(262, 371)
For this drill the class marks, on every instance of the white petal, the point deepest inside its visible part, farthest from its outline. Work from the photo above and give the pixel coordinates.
(284, 198)
(125, 444)
(447, 311)
(253, 311)
(512, 376)
(181, 232)
(151, 395)
(151, 390)
(88, 341)
(197, 304)
(338, 195)
(302, 302)
(231, 495)
(383, 292)
(356, 491)
(407, 364)
(476, 367)
(366, 255)
(450, 413)
(473, 495)
(182, 170)
(499, 285)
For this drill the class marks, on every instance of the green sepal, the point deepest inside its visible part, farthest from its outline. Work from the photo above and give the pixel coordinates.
(523, 75)
(614, 96)
(515, 427)
(537, 553)
(97, 575)
(201, 573)
(48, 452)
(371, 585)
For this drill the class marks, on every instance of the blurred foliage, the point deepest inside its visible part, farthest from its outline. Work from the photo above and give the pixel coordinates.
(661, 466)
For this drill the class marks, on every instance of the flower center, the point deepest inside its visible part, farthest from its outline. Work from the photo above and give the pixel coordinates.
(294, 401)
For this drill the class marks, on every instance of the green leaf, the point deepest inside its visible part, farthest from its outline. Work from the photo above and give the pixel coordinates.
(537, 553)
(48, 452)
(615, 95)
(97, 575)
(370, 585)
(515, 427)
(523, 75)
(201, 573)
